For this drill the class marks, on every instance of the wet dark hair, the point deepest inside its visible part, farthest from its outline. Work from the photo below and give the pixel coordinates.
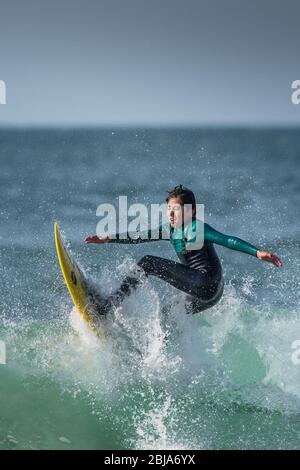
(185, 195)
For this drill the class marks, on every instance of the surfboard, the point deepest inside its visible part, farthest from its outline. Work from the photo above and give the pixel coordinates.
(80, 290)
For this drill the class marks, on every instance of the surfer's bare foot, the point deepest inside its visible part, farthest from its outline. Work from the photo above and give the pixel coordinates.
(96, 239)
(269, 257)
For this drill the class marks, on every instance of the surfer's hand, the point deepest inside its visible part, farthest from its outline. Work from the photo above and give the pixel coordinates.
(266, 256)
(96, 239)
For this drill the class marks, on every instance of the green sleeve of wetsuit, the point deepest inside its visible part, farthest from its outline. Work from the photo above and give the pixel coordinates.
(142, 237)
(234, 243)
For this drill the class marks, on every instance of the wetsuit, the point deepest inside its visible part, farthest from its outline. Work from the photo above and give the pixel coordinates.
(199, 273)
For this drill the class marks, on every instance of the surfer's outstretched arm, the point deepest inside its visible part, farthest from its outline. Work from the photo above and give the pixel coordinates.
(161, 233)
(235, 243)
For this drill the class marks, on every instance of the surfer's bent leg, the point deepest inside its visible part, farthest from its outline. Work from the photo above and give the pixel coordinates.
(202, 290)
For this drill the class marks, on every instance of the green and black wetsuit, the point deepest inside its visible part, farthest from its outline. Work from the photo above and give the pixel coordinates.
(199, 273)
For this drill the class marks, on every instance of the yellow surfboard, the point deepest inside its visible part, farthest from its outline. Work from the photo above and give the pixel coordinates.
(81, 293)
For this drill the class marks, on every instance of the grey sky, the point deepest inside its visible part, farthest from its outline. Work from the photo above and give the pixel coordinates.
(149, 61)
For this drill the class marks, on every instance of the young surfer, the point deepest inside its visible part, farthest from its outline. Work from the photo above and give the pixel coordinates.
(199, 273)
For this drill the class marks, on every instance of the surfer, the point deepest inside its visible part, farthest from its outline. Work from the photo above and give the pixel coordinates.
(199, 273)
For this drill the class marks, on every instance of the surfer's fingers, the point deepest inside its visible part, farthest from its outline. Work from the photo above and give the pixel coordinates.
(275, 260)
(91, 239)
(278, 261)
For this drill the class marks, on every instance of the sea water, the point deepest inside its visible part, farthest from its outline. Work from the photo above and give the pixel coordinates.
(157, 386)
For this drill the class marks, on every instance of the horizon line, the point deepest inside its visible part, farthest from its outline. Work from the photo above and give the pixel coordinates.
(143, 125)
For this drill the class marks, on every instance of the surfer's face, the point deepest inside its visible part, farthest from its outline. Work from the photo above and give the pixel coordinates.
(175, 212)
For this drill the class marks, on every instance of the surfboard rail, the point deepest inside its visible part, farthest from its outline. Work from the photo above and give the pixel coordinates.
(77, 284)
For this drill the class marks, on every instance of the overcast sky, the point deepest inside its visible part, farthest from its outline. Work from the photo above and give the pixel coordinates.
(82, 62)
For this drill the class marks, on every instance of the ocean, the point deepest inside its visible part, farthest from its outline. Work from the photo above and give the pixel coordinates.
(190, 386)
